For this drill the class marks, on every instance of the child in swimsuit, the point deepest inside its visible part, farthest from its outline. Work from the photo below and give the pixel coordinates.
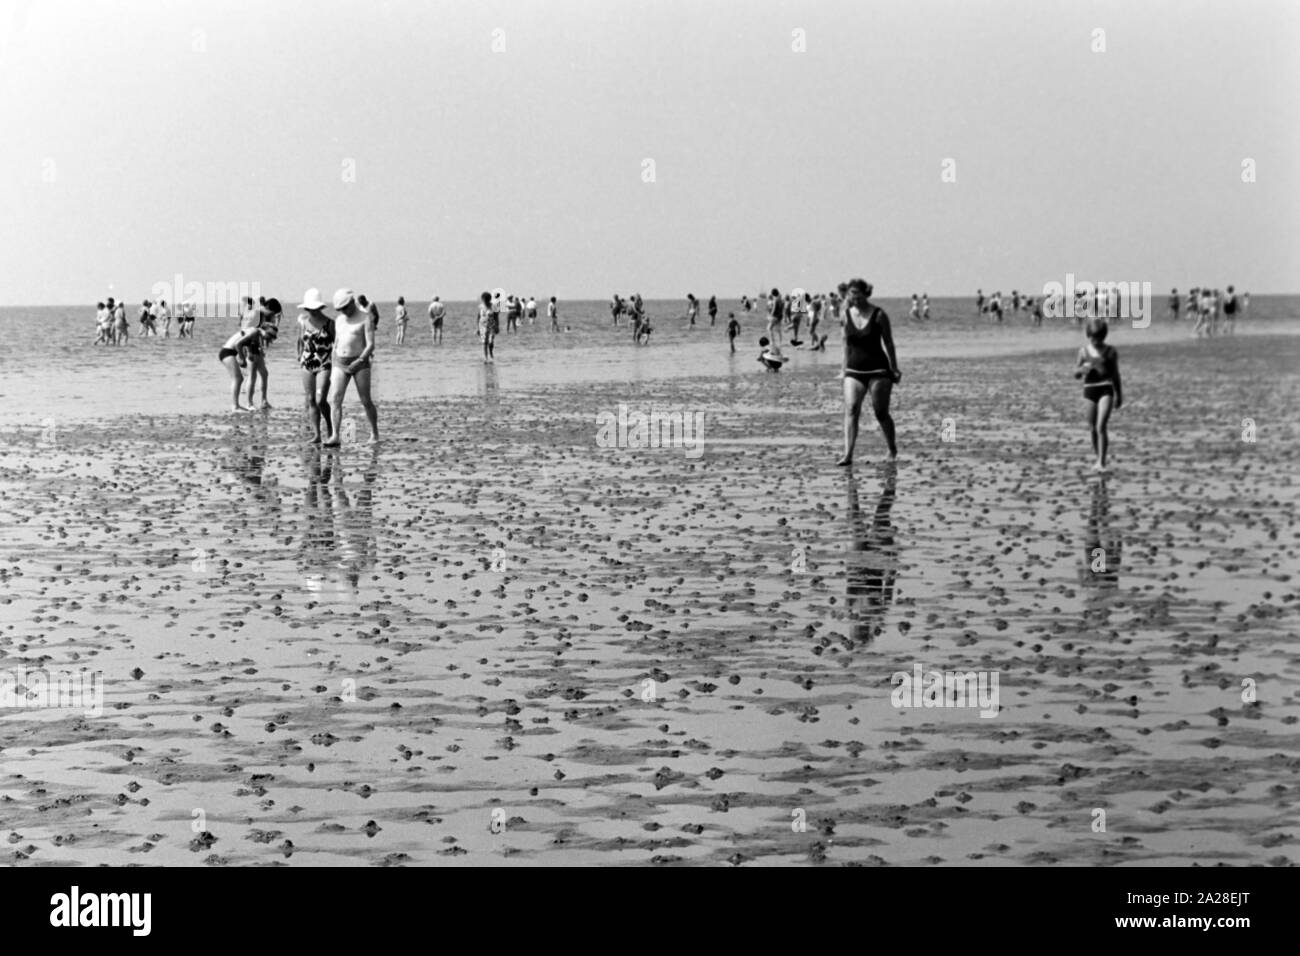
(1098, 366)
(733, 329)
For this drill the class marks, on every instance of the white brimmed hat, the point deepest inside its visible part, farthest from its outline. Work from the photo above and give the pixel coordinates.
(342, 299)
(311, 300)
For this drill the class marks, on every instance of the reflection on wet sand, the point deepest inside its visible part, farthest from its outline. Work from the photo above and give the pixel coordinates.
(245, 458)
(1103, 546)
(489, 390)
(871, 565)
(338, 540)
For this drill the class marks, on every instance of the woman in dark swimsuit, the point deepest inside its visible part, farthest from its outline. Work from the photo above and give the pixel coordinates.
(315, 346)
(870, 366)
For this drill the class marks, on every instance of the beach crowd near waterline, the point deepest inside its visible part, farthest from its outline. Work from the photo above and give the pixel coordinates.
(1209, 309)
(329, 362)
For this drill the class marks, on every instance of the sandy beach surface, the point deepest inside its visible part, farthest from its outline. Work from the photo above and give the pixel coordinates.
(491, 641)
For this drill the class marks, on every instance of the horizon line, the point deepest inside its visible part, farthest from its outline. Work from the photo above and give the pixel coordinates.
(647, 298)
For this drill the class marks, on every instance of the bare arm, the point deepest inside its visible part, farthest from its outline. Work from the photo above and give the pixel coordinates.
(369, 350)
(1081, 365)
(1119, 389)
(887, 339)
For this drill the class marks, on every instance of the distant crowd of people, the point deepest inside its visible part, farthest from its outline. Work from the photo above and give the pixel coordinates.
(111, 326)
(996, 310)
(1215, 312)
(490, 308)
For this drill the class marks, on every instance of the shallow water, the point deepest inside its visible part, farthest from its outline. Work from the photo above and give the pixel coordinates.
(52, 374)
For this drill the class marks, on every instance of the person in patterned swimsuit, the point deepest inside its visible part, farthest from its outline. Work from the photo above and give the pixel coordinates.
(315, 346)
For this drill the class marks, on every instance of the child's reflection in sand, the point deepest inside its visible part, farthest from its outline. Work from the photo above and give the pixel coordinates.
(490, 391)
(871, 565)
(1102, 549)
(246, 458)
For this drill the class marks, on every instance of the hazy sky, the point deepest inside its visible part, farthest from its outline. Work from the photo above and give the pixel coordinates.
(213, 139)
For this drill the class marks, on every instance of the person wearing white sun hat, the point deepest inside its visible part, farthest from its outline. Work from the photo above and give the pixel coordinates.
(311, 301)
(354, 345)
(315, 352)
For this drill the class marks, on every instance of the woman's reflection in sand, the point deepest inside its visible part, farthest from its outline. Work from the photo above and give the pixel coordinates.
(1103, 546)
(871, 565)
(490, 391)
(338, 541)
(245, 458)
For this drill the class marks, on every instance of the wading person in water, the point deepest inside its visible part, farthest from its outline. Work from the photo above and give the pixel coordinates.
(400, 318)
(354, 344)
(437, 312)
(870, 366)
(489, 324)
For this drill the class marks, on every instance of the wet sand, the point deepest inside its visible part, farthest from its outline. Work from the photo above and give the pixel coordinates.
(437, 651)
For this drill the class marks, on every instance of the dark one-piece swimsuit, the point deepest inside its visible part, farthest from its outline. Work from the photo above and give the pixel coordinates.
(865, 358)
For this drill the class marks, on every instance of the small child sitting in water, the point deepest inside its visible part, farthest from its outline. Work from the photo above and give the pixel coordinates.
(771, 356)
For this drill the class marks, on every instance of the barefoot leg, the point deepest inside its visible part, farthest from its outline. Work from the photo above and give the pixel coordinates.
(854, 393)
